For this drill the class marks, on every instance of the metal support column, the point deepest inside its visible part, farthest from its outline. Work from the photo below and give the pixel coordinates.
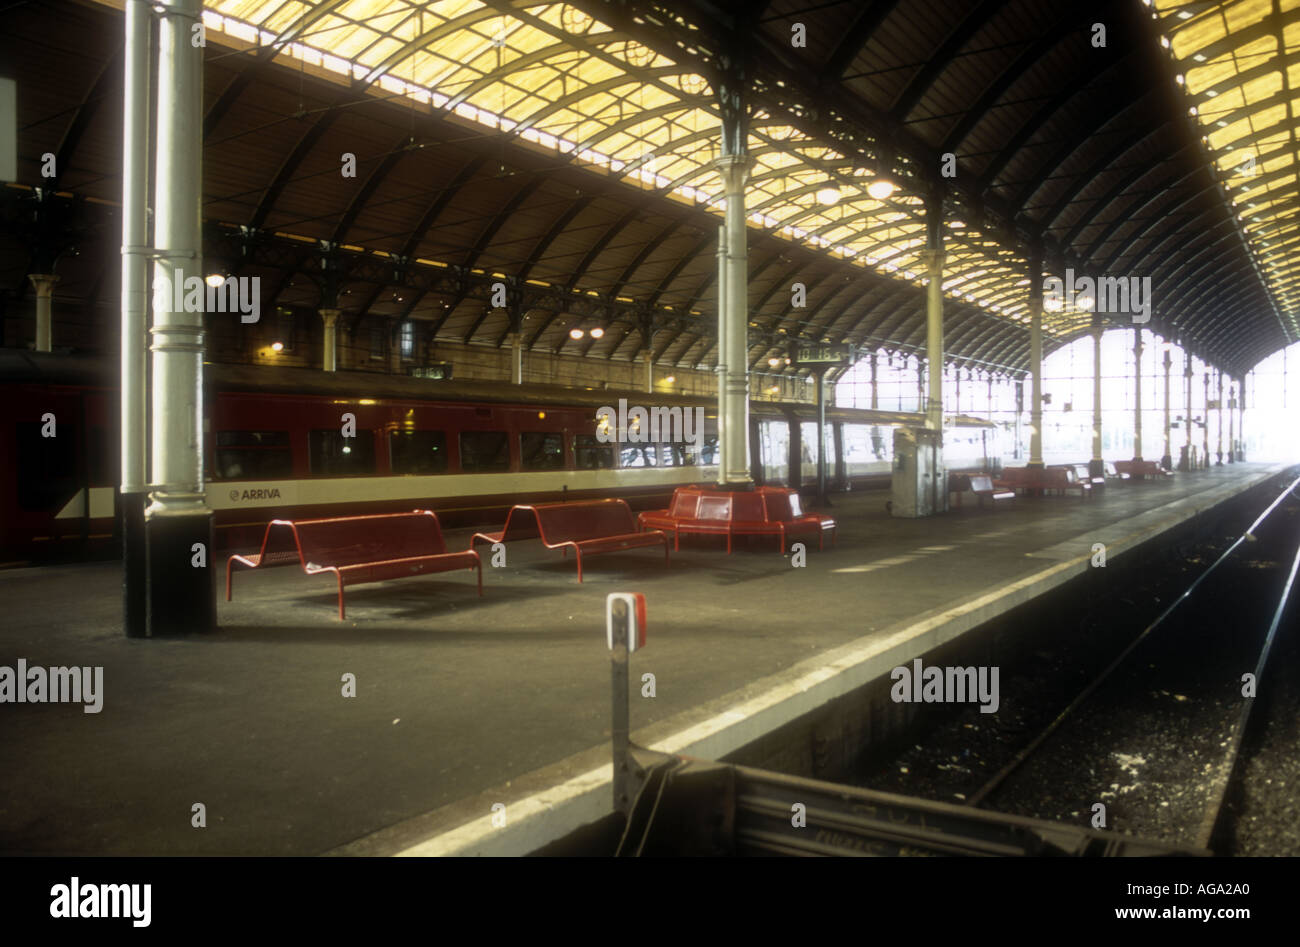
(1205, 426)
(516, 358)
(1232, 421)
(134, 415)
(1186, 463)
(933, 257)
(819, 373)
(1036, 359)
(649, 372)
(1137, 393)
(1166, 460)
(329, 346)
(875, 387)
(1096, 466)
(44, 283)
(733, 392)
(178, 523)
(1218, 451)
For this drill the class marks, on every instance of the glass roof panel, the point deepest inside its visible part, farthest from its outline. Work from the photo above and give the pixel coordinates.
(1245, 92)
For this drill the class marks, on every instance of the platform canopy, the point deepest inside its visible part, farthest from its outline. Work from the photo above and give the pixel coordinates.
(567, 148)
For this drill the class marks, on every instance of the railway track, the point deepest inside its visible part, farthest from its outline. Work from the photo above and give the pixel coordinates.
(1171, 711)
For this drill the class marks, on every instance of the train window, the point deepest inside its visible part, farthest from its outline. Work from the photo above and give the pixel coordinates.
(417, 452)
(484, 451)
(541, 451)
(253, 455)
(333, 455)
(591, 454)
(638, 455)
(47, 466)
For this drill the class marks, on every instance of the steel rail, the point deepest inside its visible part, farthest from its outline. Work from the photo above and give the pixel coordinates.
(1018, 760)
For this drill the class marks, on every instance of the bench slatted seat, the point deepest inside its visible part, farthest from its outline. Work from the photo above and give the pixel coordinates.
(1140, 469)
(685, 505)
(982, 486)
(359, 549)
(1042, 478)
(767, 511)
(782, 505)
(591, 526)
(712, 517)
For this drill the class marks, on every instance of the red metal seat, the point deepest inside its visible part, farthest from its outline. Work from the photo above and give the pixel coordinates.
(359, 549)
(586, 526)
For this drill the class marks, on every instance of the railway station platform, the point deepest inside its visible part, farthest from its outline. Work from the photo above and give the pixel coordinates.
(463, 702)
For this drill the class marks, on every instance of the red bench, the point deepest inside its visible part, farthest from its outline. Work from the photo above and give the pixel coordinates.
(591, 526)
(1140, 469)
(359, 549)
(768, 511)
(782, 505)
(982, 486)
(1041, 478)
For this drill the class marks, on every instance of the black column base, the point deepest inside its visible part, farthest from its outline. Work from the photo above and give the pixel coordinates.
(135, 565)
(1096, 468)
(1167, 462)
(181, 597)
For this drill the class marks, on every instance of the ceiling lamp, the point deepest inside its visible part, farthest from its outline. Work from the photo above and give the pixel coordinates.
(670, 379)
(880, 189)
(215, 279)
(773, 361)
(597, 333)
(576, 333)
(828, 195)
(277, 346)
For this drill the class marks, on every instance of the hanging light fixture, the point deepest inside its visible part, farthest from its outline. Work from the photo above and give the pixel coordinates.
(828, 195)
(576, 333)
(597, 332)
(880, 189)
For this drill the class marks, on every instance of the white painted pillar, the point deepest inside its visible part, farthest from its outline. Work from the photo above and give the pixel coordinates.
(44, 283)
(1218, 373)
(1166, 461)
(181, 595)
(734, 408)
(1137, 393)
(934, 336)
(329, 354)
(1097, 466)
(1036, 364)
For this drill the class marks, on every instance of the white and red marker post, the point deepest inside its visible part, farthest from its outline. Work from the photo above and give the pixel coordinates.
(625, 624)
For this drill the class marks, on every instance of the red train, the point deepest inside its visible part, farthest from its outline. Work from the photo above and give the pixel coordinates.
(275, 447)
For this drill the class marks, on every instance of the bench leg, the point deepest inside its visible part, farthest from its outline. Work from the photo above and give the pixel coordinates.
(665, 550)
(342, 612)
(479, 565)
(229, 563)
(578, 553)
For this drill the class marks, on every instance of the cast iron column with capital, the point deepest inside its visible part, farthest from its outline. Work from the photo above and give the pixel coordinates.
(1186, 463)
(1137, 393)
(733, 318)
(933, 257)
(178, 523)
(1096, 466)
(1218, 451)
(1036, 359)
(1167, 460)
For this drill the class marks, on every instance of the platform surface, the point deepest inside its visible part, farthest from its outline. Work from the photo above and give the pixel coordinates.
(461, 701)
